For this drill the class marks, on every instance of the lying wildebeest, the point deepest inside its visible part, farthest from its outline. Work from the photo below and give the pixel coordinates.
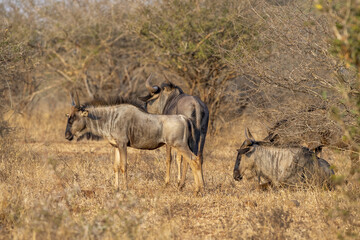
(127, 125)
(170, 99)
(279, 165)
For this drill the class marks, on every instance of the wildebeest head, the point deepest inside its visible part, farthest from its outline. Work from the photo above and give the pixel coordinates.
(76, 122)
(159, 96)
(244, 159)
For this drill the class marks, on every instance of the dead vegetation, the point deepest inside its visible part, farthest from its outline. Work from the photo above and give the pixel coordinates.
(57, 189)
(267, 65)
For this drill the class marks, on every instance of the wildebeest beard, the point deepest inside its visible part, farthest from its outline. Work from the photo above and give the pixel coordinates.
(89, 136)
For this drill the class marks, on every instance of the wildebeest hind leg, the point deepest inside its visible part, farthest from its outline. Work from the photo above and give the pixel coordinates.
(185, 165)
(168, 164)
(196, 168)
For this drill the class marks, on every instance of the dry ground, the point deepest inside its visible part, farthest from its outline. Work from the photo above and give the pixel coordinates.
(54, 189)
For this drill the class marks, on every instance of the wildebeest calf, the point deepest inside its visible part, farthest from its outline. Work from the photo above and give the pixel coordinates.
(279, 165)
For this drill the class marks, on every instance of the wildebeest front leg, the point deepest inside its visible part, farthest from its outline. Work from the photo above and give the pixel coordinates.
(179, 161)
(168, 164)
(175, 156)
(117, 168)
(123, 163)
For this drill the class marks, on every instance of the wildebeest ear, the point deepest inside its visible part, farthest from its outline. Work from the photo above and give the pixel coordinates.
(249, 142)
(271, 137)
(145, 98)
(84, 113)
(248, 135)
(246, 144)
(243, 150)
(168, 87)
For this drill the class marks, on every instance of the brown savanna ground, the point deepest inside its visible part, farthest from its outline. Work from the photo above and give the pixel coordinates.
(54, 189)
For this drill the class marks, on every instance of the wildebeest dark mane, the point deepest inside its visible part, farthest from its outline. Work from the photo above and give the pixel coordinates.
(276, 145)
(270, 144)
(171, 102)
(114, 100)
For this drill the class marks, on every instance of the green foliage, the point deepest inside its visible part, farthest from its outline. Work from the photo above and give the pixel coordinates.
(194, 38)
(16, 61)
(344, 19)
(193, 34)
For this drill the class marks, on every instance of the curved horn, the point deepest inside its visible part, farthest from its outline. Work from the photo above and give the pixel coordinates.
(77, 101)
(166, 79)
(248, 135)
(148, 85)
(72, 99)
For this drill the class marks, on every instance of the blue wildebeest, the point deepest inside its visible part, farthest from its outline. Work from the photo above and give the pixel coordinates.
(169, 99)
(279, 165)
(127, 125)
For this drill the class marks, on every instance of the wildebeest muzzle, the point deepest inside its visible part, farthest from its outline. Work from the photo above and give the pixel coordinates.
(69, 136)
(237, 176)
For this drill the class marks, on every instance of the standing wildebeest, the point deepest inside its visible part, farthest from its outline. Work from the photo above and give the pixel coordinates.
(279, 165)
(170, 99)
(126, 125)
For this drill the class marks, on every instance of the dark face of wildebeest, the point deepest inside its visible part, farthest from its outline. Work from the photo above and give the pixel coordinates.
(76, 122)
(244, 159)
(158, 96)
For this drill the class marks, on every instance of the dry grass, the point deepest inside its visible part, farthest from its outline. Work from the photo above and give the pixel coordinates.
(54, 189)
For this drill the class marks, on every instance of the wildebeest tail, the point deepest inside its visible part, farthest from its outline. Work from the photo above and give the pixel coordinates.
(198, 116)
(191, 139)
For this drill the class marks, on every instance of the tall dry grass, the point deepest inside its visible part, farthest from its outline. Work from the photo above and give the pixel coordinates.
(54, 189)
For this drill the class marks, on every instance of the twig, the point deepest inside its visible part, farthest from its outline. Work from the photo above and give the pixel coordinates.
(60, 73)
(10, 96)
(31, 97)
(87, 85)
(205, 38)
